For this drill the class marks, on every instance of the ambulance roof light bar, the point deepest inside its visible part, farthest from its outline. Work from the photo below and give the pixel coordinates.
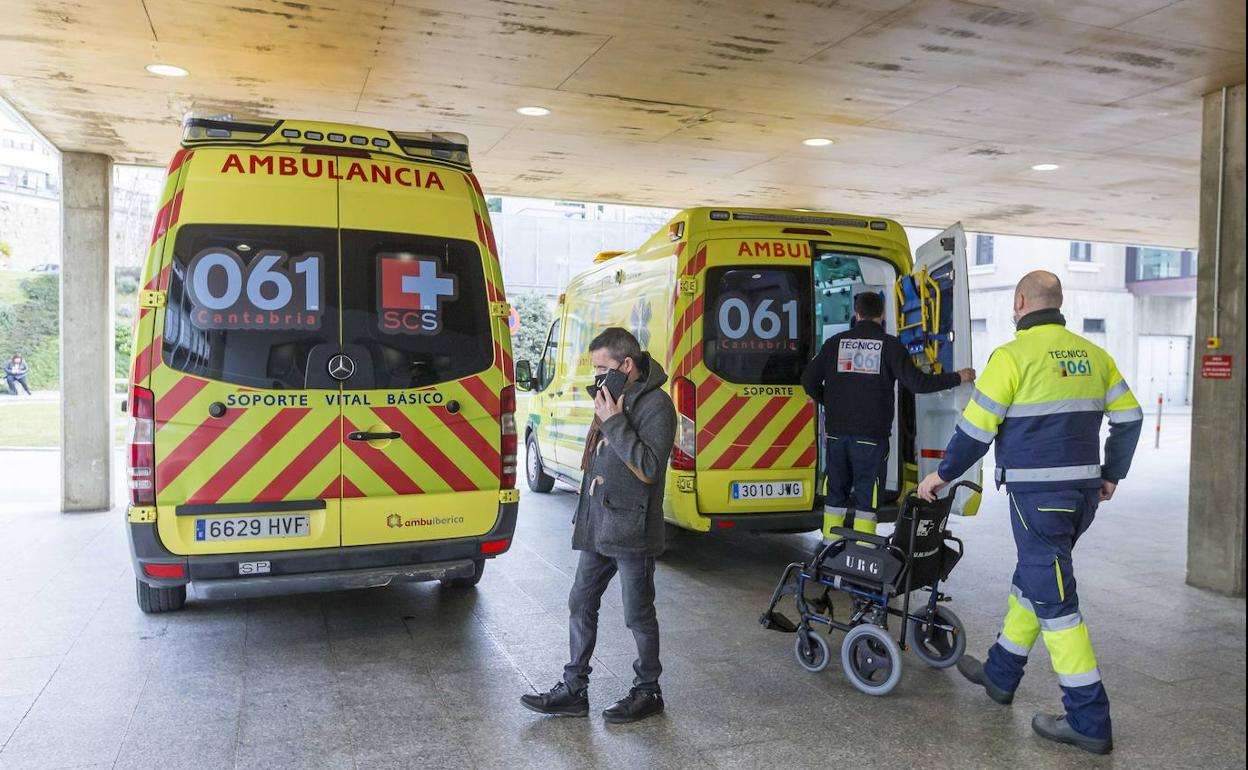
(798, 219)
(447, 147)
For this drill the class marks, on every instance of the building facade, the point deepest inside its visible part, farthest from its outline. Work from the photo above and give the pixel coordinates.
(1139, 303)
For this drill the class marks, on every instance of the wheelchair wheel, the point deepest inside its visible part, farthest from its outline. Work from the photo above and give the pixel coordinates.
(871, 659)
(811, 651)
(944, 648)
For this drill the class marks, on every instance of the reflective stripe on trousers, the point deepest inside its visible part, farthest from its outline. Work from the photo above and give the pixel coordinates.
(1044, 602)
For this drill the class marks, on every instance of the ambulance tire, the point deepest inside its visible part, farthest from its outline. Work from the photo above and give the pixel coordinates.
(467, 582)
(534, 472)
(871, 659)
(154, 599)
(944, 648)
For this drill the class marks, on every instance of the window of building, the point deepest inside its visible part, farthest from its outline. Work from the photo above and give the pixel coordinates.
(1094, 326)
(984, 250)
(1151, 264)
(979, 324)
(1080, 251)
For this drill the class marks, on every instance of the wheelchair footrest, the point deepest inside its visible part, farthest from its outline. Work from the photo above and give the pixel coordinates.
(774, 621)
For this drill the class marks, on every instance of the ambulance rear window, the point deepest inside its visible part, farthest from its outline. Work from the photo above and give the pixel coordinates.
(757, 324)
(415, 307)
(249, 304)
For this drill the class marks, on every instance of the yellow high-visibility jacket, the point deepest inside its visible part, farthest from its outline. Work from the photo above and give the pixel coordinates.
(1041, 398)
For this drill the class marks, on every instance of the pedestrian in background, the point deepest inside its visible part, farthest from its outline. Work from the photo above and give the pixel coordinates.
(619, 525)
(15, 371)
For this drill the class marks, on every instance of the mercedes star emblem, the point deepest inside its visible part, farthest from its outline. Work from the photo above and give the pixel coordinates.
(341, 367)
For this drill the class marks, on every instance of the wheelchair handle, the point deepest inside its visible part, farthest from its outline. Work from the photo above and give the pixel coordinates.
(965, 483)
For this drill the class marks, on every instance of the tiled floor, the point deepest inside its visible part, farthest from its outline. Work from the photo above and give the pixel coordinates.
(415, 676)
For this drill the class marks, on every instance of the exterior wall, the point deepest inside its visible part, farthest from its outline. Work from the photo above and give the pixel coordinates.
(1165, 315)
(31, 226)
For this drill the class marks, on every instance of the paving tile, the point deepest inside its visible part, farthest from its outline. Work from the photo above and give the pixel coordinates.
(190, 743)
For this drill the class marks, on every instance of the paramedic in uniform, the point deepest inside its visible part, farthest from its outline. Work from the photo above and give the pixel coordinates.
(1042, 398)
(854, 378)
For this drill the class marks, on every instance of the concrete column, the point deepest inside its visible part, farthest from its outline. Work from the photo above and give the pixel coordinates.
(1215, 522)
(86, 334)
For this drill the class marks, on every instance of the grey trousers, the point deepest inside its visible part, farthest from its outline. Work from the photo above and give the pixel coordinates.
(593, 575)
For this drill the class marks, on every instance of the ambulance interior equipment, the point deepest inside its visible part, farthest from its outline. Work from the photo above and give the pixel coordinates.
(871, 570)
(925, 316)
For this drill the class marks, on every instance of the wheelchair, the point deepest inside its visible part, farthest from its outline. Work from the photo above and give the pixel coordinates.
(873, 570)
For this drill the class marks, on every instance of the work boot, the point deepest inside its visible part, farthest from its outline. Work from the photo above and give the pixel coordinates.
(634, 707)
(559, 702)
(973, 670)
(1056, 728)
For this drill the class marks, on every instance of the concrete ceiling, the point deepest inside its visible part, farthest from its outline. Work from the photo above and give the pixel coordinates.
(938, 108)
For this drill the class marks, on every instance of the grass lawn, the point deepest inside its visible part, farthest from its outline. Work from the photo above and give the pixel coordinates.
(38, 425)
(11, 286)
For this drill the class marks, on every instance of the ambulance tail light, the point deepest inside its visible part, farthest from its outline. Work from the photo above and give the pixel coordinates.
(141, 470)
(507, 421)
(684, 451)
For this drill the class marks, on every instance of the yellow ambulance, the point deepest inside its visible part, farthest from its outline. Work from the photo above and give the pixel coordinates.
(322, 391)
(733, 303)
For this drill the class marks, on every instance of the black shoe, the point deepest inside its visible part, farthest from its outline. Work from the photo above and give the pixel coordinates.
(973, 670)
(1056, 728)
(559, 702)
(635, 706)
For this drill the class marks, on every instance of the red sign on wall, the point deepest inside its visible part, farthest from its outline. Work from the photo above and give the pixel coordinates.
(1215, 367)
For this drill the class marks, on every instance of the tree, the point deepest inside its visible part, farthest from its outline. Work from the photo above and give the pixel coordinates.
(528, 341)
(31, 328)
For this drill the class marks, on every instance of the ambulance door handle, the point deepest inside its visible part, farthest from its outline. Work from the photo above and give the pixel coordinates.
(361, 435)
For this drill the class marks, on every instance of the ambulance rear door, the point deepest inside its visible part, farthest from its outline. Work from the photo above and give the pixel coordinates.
(247, 424)
(421, 403)
(940, 264)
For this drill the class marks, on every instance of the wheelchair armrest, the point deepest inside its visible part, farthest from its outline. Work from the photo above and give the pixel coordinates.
(863, 537)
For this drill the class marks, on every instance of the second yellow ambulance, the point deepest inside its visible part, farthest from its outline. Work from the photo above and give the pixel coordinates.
(733, 303)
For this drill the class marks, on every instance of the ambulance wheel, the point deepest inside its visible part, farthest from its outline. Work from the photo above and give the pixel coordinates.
(811, 651)
(944, 648)
(153, 599)
(871, 659)
(538, 480)
(469, 581)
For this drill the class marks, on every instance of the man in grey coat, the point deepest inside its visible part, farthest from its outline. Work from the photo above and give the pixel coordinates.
(618, 527)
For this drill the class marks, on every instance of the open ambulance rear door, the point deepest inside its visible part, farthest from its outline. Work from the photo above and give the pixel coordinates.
(940, 264)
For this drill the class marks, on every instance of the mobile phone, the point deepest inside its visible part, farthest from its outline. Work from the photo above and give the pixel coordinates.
(613, 381)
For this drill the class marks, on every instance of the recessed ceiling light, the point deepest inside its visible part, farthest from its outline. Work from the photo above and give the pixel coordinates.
(533, 112)
(817, 142)
(1045, 167)
(166, 70)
